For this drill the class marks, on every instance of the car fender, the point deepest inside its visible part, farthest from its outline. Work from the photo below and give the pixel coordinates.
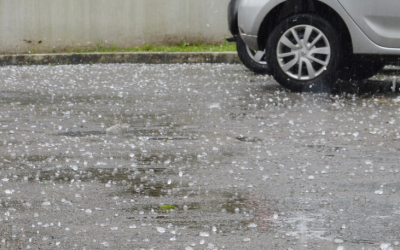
(250, 17)
(233, 17)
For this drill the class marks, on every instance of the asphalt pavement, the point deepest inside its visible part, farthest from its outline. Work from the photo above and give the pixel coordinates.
(195, 156)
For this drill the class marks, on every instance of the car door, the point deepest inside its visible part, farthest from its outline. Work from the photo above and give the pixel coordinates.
(378, 19)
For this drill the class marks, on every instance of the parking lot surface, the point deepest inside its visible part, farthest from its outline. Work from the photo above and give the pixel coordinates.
(203, 156)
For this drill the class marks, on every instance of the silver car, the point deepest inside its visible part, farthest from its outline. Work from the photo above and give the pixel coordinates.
(310, 44)
(253, 59)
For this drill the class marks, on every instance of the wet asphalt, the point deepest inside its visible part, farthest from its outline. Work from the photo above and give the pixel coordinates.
(200, 156)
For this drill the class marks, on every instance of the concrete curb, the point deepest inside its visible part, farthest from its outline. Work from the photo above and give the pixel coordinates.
(92, 58)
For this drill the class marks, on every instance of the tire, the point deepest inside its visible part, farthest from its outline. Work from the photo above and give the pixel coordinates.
(253, 60)
(309, 62)
(358, 70)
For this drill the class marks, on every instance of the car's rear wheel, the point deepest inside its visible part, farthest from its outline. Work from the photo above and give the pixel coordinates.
(253, 60)
(304, 52)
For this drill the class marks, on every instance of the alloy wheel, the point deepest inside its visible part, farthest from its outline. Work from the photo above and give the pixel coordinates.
(257, 56)
(303, 52)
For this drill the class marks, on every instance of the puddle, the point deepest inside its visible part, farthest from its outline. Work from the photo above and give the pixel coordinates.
(81, 133)
(36, 158)
(229, 210)
(189, 159)
(22, 98)
(146, 178)
(248, 139)
(212, 211)
(212, 202)
(224, 202)
(102, 175)
(50, 98)
(146, 134)
(125, 176)
(145, 188)
(29, 159)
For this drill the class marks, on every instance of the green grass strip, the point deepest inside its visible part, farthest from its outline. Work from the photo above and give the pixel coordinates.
(167, 207)
(183, 47)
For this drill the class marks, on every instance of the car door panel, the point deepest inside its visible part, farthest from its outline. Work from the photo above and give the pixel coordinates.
(379, 20)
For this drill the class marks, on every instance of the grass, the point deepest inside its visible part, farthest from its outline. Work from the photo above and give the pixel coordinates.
(181, 47)
(167, 207)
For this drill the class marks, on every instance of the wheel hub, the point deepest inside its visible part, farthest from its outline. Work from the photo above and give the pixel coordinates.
(303, 52)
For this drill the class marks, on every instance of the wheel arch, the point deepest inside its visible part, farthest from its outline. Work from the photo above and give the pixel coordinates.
(293, 7)
(233, 17)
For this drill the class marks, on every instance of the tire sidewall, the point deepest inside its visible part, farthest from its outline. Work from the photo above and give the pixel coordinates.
(323, 82)
(247, 60)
